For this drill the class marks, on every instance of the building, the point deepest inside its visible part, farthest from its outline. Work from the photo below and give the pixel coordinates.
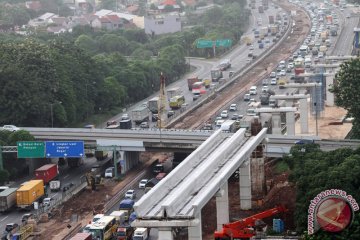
(43, 20)
(162, 24)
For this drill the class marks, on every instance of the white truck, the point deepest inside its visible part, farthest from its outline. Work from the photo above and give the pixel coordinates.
(140, 114)
(141, 234)
(172, 92)
(228, 126)
(7, 199)
(54, 185)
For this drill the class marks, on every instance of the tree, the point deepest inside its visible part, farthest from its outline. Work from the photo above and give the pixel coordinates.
(4, 176)
(345, 89)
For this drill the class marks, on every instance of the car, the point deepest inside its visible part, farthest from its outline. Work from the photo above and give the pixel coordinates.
(251, 47)
(207, 126)
(224, 114)
(273, 81)
(67, 187)
(273, 75)
(231, 73)
(218, 123)
(95, 168)
(11, 128)
(154, 117)
(250, 54)
(90, 126)
(109, 123)
(247, 97)
(109, 172)
(26, 217)
(265, 89)
(143, 183)
(320, 55)
(130, 194)
(47, 201)
(305, 141)
(10, 226)
(233, 107)
(252, 100)
(282, 73)
(291, 65)
(235, 116)
(144, 125)
(316, 60)
(265, 81)
(253, 90)
(170, 114)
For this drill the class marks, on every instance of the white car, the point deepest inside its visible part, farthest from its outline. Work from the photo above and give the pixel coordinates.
(143, 183)
(109, 172)
(130, 194)
(272, 74)
(47, 201)
(253, 90)
(224, 114)
(291, 65)
(11, 128)
(273, 81)
(265, 89)
(282, 73)
(233, 107)
(125, 116)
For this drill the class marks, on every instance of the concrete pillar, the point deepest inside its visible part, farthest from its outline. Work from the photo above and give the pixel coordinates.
(245, 186)
(304, 115)
(222, 206)
(257, 177)
(165, 233)
(329, 96)
(290, 123)
(276, 123)
(195, 233)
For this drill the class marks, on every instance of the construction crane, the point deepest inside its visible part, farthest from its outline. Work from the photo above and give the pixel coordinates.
(245, 228)
(162, 103)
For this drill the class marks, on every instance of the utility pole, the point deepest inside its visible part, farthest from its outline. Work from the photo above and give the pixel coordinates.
(162, 104)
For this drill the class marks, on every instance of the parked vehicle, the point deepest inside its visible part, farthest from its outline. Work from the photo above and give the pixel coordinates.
(29, 193)
(139, 114)
(47, 172)
(7, 199)
(55, 185)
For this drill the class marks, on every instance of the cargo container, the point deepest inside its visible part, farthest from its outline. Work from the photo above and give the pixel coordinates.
(47, 172)
(298, 71)
(82, 236)
(191, 81)
(140, 114)
(271, 20)
(101, 155)
(29, 192)
(75, 162)
(7, 199)
(125, 124)
(153, 104)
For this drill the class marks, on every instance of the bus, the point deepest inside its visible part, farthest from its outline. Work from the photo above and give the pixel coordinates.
(304, 50)
(216, 74)
(103, 229)
(153, 105)
(177, 101)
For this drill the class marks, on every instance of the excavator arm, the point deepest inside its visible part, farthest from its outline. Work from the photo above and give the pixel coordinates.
(244, 228)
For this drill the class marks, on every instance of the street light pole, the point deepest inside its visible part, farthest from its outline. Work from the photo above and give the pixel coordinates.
(52, 116)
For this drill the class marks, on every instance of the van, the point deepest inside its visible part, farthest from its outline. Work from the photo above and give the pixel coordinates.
(307, 62)
(253, 90)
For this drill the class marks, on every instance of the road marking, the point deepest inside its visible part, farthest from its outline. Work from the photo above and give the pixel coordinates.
(54, 195)
(66, 176)
(4, 218)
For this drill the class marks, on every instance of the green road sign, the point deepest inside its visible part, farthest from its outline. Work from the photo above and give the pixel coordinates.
(31, 149)
(204, 44)
(223, 43)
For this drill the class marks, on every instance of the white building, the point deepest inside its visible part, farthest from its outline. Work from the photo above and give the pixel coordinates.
(162, 24)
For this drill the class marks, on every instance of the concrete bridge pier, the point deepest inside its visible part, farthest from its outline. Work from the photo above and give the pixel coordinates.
(245, 185)
(304, 115)
(276, 123)
(165, 233)
(128, 160)
(194, 233)
(222, 206)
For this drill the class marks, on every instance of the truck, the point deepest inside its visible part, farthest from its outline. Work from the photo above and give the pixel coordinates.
(127, 205)
(265, 96)
(228, 126)
(299, 70)
(333, 30)
(274, 29)
(206, 82)
(47, 172)
(125, 124)
(329, 20)
(265, 3)
(271, 19)
(75, 161)
(247, 40)
(141, 234)
(124, 232)
(29, 192)
(324, 35)
(140, 114)
(216, 74)
(120, 216)
(191, 81)
(172, 92)
(153, 105)
(101, 155)
(246, 228)
(261, 9)
(7, 199)
(82, 236)
(55, 185)
(299, 62)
